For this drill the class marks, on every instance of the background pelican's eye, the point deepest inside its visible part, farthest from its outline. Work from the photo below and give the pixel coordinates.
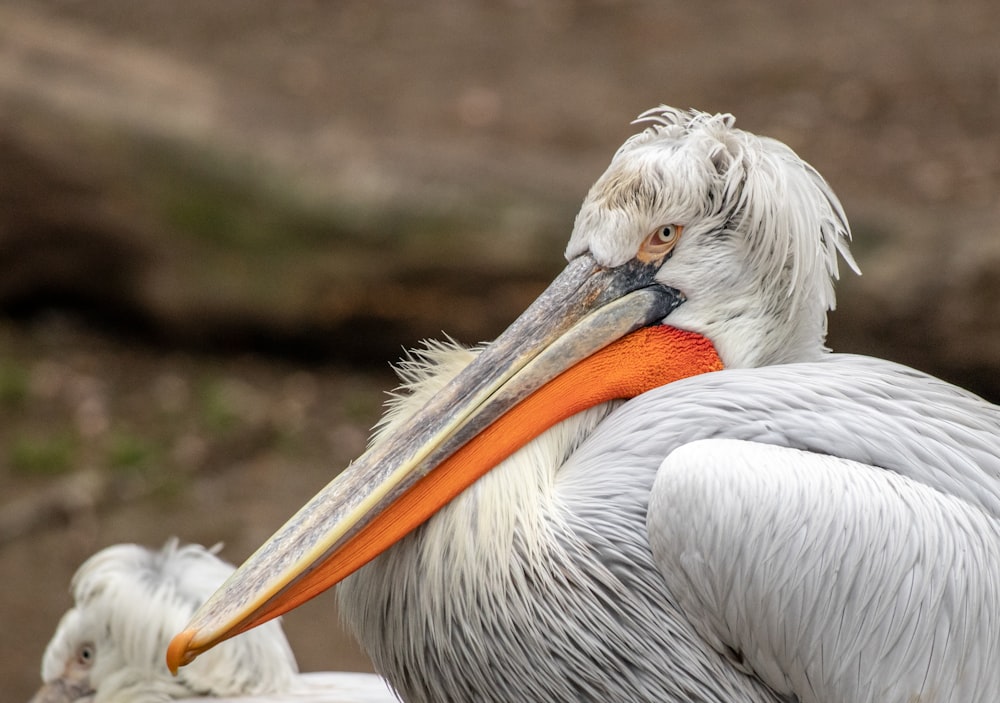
(659, 242)
(86, 654)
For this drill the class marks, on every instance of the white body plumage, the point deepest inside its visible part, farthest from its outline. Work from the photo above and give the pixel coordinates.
(827, 529)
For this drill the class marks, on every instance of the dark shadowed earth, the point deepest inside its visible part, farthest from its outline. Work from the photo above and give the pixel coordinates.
(219, 222)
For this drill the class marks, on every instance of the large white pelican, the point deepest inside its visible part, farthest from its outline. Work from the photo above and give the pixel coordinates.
(129, 600)
(801, 526)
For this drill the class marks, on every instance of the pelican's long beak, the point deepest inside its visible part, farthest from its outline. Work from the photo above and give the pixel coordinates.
(459, 435)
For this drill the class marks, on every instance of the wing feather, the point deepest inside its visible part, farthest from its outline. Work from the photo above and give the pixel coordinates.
(834, 580)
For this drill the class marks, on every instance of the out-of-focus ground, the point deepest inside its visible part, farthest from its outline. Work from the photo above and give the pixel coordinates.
(219, 221)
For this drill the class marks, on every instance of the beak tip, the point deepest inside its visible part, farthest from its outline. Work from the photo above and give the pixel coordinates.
(179, 652)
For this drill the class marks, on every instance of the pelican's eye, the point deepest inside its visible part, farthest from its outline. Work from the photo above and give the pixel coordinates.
(660, 242)
(86, 654)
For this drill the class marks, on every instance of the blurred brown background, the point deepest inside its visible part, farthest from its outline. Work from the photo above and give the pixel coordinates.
(219, 221)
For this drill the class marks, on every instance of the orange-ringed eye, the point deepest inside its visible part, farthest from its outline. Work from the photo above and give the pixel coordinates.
(659, 243)
(667, 234)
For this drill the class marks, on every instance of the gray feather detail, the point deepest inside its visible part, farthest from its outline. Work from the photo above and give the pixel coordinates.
(836, 580)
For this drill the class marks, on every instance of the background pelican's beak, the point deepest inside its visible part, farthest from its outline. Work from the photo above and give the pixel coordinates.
(397, 484)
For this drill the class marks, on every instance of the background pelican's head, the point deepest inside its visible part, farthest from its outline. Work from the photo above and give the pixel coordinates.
(757, 232)
(128, 602)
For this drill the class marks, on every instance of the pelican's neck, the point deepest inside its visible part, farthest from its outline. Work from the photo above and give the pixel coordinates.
(749, 331)
(530, 586)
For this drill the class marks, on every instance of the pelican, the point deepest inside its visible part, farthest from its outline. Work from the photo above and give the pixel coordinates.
(658, 484)
(128, 600)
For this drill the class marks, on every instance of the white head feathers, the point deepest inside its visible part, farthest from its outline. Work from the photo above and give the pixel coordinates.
(762, 231)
